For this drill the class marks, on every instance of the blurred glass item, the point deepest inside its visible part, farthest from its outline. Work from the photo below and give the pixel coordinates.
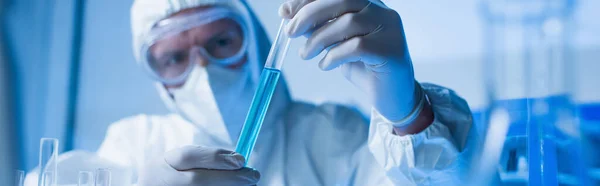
(48, 179)
(528, 75)
(590, 128)
(47, 161)
(103, 177)
(19, 177)
(86, 178)
(484, 169)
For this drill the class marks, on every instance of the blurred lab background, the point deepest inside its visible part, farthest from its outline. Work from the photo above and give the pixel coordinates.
(67, 68)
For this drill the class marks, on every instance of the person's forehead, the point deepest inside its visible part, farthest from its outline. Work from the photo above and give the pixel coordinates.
(195, 10)
(192, 10)
(198, 35)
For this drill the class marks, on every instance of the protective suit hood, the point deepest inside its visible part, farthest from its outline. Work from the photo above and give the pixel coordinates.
(146, 13)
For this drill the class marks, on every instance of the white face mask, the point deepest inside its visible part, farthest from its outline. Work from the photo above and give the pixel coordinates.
(215, 98)
(233, 89)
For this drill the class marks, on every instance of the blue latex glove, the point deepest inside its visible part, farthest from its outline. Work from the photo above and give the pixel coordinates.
(366, 39)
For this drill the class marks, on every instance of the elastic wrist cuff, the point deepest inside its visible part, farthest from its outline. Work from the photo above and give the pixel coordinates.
(416, 111)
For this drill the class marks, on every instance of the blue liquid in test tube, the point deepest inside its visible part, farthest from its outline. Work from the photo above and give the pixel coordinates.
(262, 97)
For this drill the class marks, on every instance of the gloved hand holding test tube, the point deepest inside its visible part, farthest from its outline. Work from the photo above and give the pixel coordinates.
(262, 97)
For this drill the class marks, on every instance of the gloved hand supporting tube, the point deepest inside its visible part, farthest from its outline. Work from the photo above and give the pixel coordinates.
(197, 165)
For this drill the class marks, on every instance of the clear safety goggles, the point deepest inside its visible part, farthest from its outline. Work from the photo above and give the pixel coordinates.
(174, 45)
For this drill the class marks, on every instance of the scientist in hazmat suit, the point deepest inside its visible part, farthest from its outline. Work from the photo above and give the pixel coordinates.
(206, 57)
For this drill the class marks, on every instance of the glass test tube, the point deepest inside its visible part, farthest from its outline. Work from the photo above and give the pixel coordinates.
(103, 177)
(85, 178)
(47, 161)
(48, 179)
(19, 177)
(264, 92)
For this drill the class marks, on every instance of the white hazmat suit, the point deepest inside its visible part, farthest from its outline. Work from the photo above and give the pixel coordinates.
(299, 143)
